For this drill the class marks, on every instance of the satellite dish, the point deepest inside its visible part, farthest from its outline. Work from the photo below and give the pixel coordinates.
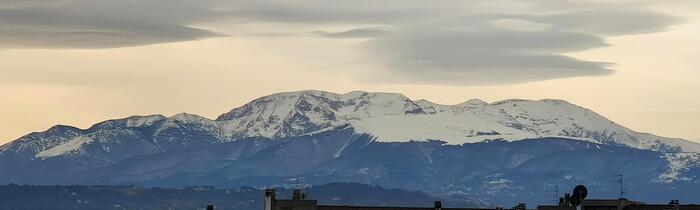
(579, 194)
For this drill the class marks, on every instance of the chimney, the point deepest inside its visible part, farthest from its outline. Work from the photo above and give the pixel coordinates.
(567, 199)
(270, 199)
(304, 195)
(210, 207)
(675, 204)
(438, 205)
(561, 201)
(297, 195)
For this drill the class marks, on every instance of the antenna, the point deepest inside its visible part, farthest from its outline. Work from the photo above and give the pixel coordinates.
(299, 193)
(619, 179)
(298, 183)
(556, 196)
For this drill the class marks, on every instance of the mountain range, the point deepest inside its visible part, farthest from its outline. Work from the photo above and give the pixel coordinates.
(500, 152)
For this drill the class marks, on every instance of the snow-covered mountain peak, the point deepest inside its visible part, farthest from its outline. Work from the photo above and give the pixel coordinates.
(554, 116)
(473, 102)
(56, 129)
(384, 116)
(356, 104)
(359, 94)
(140, 121)
(297, 113)
(537, 105)
(187, 117)
(39, 141)
(317, 132)
(395, 117)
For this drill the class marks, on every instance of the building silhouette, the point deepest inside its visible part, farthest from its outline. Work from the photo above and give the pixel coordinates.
(622, 204)
(300, 201)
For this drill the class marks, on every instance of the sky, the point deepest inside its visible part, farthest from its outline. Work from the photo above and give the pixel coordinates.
(79, 62)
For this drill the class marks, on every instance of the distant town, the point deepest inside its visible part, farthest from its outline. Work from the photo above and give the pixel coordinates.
(333, 196)
(574, 201)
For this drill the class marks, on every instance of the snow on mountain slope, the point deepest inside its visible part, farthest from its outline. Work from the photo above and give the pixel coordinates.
(385, 116)
(40, 141)
(156, 130)
(394, 117)
(679, 163)
(298, 113)
(70, 146)
(142, 121)
(551, 117)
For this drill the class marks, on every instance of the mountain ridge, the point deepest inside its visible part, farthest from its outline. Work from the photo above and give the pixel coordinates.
(395, 117)
(502, 151)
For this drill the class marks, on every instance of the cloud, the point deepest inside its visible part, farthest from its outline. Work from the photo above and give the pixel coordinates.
(355, 33)
(519, 25)
(447, 42)
(473, 42)
(342, 11)
(101, 23)
(484, 57)
(607, 22)
(31, 3)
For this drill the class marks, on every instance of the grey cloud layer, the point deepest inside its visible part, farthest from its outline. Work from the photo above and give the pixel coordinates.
(606, 22)
(485, 57)
(101, 23)
(441, 42)
(458, 43)
(355, 33)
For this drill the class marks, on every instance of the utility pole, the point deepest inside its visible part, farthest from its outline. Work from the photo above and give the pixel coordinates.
(556, 197)
(619, 179)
